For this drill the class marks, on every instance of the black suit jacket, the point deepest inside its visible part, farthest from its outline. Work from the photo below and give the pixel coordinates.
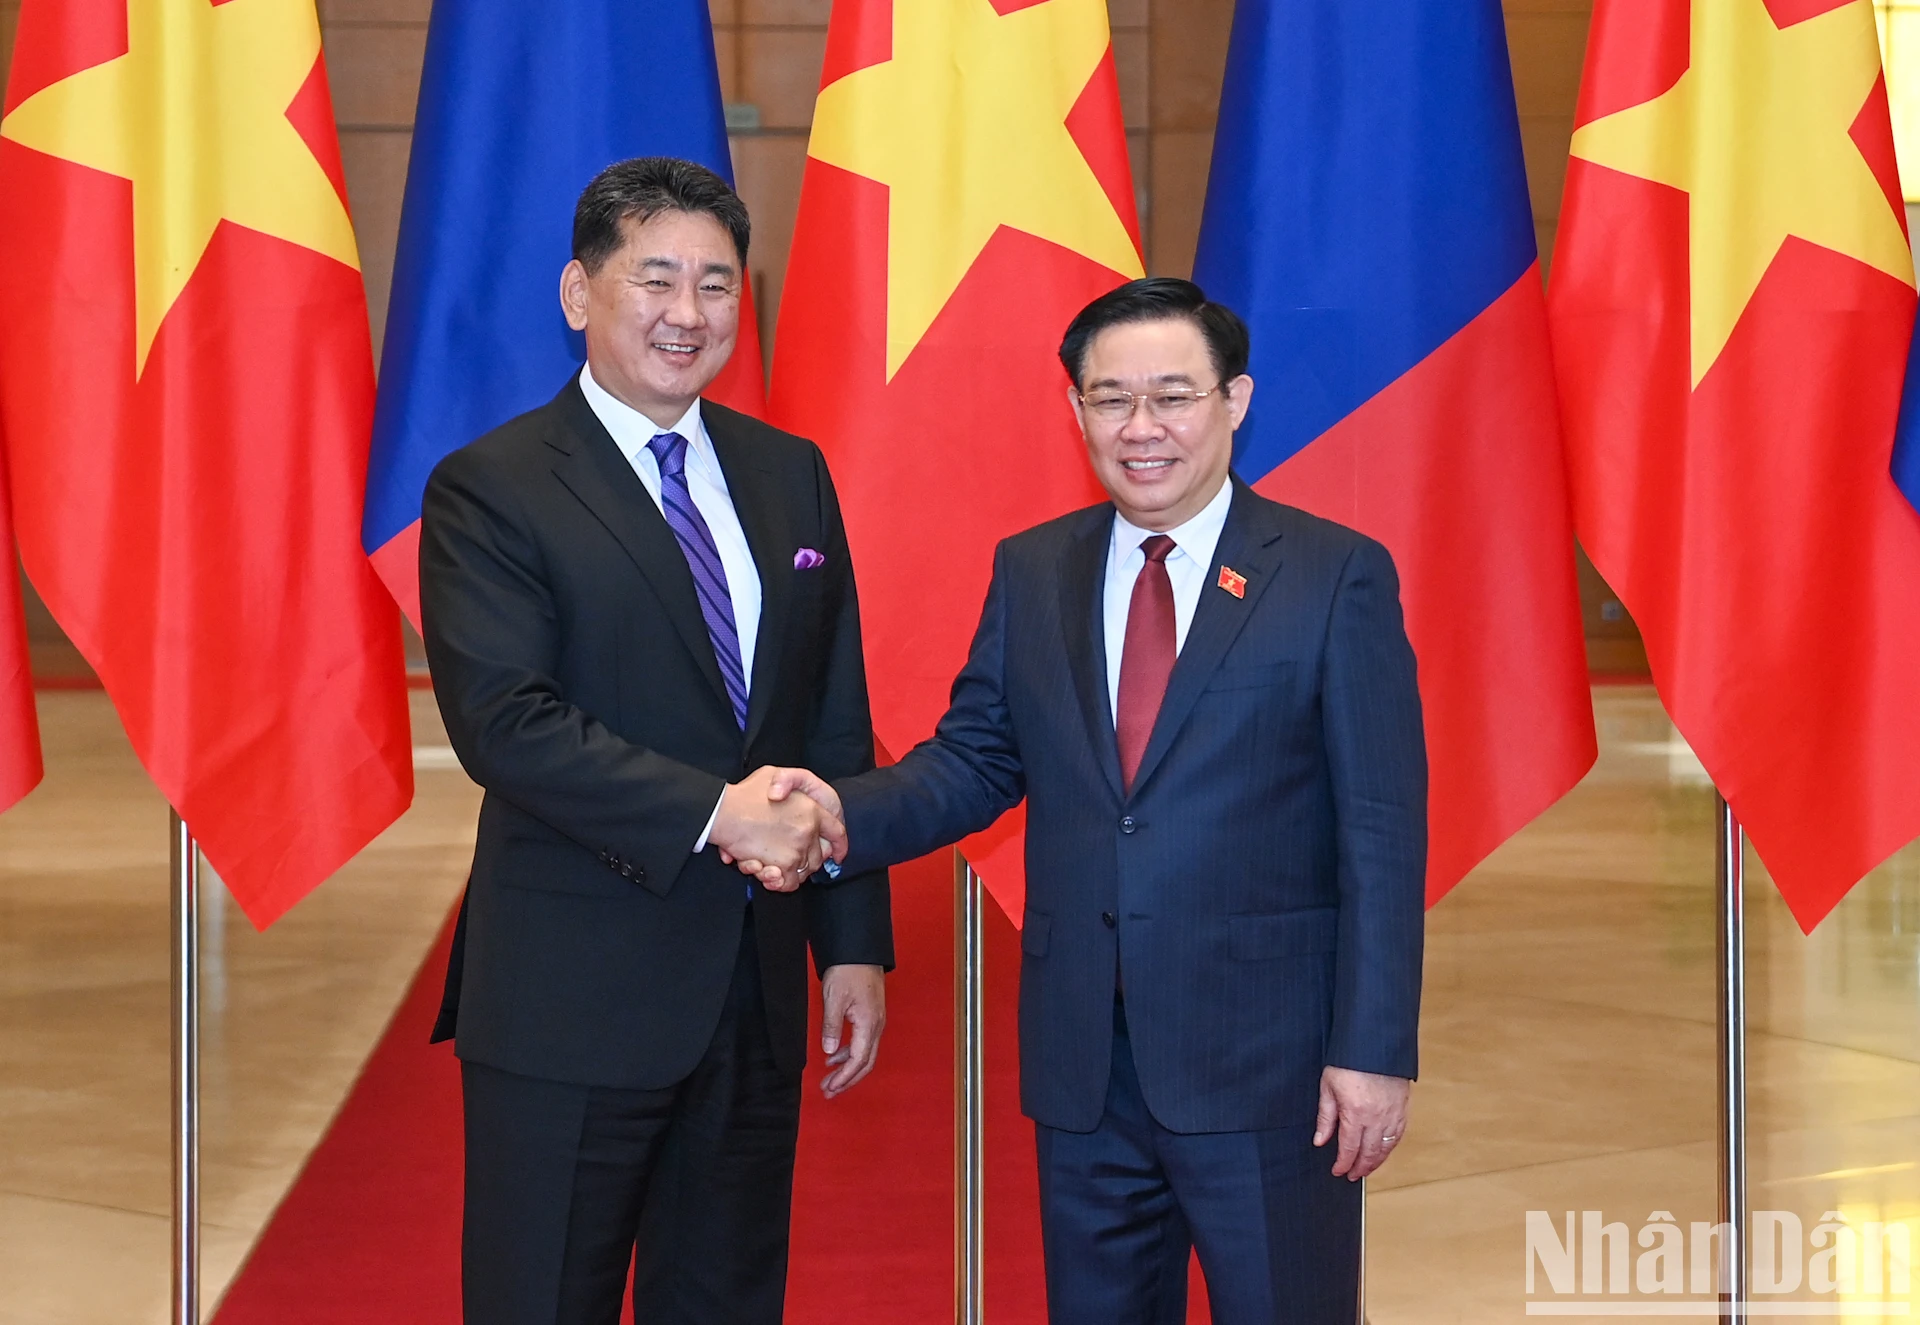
(580, 690)
(1262, 886)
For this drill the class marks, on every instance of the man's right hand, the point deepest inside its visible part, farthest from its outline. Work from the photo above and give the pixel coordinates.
(783, 785)
(786, 837)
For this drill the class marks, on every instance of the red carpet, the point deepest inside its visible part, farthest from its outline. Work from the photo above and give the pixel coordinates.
(370, 1232)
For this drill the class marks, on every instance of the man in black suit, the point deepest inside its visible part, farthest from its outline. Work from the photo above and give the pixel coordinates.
(1208, 701)
(632, 598)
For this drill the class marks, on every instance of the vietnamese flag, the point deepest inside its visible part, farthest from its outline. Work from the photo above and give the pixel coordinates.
(186, 388)
(966, 193)
(1731, 302)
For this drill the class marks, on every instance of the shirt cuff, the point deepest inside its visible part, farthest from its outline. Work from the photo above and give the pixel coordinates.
(712, 819)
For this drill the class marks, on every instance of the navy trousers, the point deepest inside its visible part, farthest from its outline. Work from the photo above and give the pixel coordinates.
(1122, 1206)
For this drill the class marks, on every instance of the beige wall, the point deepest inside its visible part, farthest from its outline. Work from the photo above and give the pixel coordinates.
(9, 19)
(1169, 53)
(1187, 42)
(39, 625)
(1548, 41)
(770, 53)
(374, 51)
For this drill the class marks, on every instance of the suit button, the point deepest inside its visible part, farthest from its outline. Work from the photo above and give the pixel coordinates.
(626, 871)
(1127, 825)
(1106, 918)
(639, 874)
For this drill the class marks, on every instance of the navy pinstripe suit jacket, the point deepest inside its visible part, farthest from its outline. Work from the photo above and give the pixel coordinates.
(1262, 886)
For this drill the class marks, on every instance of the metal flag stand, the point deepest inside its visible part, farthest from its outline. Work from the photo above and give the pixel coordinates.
(1732, 1037)
(969, 1099)
(1360, 1299)
(186, 1075)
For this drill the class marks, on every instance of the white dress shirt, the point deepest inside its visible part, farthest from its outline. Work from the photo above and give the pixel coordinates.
(631, 431)
(1187, 566)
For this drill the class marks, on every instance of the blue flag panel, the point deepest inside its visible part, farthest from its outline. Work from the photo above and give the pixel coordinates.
(521, 103)
(1367, 200)
(1906, 437)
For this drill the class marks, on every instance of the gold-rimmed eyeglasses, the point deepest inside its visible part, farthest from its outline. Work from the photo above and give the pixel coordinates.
(1169, 405)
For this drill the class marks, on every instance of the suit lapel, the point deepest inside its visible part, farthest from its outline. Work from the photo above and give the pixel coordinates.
(1250, 544)
(592, 468)
(761, 504)
(1083, 573)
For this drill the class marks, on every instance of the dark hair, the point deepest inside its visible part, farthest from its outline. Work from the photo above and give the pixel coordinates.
(641, 189)
(1158, 299)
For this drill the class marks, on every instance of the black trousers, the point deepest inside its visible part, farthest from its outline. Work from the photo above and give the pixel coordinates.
(1122, 1206)
(559, 1177)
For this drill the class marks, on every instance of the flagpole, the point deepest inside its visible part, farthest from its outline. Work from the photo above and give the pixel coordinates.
(1732, 1037)
(969, 1112)
(186, 1075)
(1360, 1302)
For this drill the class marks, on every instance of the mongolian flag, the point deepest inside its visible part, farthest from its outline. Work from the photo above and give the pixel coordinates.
(185, 393)
(1731, 305)
(966, 193)
(520, 106)
(1906, 441)
(1367, 215)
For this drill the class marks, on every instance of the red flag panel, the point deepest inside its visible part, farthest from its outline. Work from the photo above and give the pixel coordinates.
(1748, 519)
(193, 523)
(971, 440)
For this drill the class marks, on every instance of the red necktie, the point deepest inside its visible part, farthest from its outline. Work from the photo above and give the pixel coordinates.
(1146, 659)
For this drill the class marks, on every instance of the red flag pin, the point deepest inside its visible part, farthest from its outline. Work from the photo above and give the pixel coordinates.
(1233, 582)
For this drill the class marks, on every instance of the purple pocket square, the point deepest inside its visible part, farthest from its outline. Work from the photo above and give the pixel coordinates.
(808, 559)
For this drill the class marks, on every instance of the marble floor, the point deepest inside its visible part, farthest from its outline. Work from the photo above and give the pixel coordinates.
(288, 1017)
(1568, 1045)
(1569, 1054)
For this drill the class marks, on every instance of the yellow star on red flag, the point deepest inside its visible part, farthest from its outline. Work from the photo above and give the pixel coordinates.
(967, 126)
(1757, 133)
(195, 115)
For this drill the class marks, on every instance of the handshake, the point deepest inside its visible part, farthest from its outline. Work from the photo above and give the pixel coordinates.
(780, 826)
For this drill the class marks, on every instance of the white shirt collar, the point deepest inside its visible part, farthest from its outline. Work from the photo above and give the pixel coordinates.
(632, 430)
(1197, 537)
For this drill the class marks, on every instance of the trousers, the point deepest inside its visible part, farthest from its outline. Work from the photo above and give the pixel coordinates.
(566, 1183)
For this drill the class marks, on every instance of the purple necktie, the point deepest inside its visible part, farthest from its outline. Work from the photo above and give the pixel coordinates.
(703, 559)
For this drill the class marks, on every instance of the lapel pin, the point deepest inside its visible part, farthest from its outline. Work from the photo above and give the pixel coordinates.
(1233, 582)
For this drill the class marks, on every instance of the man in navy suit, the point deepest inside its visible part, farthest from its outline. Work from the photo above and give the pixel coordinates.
(1208, 701)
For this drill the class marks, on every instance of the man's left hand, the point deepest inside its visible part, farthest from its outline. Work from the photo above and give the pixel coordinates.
(855, 995)
(1368, 1111)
